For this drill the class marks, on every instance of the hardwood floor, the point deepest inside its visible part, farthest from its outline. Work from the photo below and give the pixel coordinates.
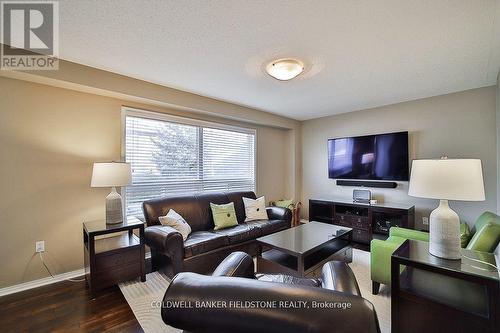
(66, 307)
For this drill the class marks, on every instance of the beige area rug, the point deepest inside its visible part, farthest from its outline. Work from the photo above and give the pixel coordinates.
(140, 296)
(382, 302)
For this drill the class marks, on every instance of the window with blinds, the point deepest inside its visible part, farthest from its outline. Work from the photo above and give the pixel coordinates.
(172, 157)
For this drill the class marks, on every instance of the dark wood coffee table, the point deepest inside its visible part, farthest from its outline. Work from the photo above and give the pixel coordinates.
(303, 250)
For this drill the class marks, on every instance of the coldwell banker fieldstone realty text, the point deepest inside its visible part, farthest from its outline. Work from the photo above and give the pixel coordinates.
(253, 304)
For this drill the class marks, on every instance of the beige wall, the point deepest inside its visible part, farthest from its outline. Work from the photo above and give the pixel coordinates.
(460, 125)
(100, 82)
(498, 143)
(49, 138)
(130, 90)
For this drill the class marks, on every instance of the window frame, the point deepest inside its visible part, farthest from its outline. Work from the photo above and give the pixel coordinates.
(146, 114)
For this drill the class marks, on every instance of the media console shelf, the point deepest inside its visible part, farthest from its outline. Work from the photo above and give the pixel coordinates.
(367, 221)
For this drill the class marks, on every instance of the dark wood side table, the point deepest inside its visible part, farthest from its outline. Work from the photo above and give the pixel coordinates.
(114, 259)
(430, 294)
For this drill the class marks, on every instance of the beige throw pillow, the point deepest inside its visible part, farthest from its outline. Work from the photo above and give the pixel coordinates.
(255, 209)
(174, 220)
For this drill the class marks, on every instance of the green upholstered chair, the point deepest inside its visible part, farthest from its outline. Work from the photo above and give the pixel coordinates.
(485, 237)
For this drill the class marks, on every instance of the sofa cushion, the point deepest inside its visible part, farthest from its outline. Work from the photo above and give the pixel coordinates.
(255, 209)
(186, 206)
(195, 208)
(483, 219)
(239, 233)
(203, 241)
(269, 226)
(239, 207)
(176, 221)
(465, 234)
(284, 203)
(224, 216)
(204, 201)
(486, 239)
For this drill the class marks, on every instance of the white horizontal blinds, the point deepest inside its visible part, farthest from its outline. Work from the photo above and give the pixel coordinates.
(228, 160)
(164, 157)
(171, 158)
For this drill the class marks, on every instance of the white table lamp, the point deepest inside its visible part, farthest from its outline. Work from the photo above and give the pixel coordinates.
(446, 179)
(112, 174)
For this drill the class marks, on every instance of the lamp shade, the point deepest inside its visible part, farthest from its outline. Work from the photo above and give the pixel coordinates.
(111, 174)
(447, 179)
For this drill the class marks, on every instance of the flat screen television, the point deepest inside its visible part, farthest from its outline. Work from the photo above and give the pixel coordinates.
(370, 157)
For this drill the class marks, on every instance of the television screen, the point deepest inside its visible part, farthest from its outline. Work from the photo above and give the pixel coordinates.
(371, 157)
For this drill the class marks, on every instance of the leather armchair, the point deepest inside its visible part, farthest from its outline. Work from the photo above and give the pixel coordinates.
(234, 282)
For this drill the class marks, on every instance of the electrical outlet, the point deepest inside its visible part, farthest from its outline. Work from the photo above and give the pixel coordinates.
(39, 246)
(425, 220)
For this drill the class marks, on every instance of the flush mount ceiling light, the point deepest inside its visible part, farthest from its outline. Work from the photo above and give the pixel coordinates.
(285, 69)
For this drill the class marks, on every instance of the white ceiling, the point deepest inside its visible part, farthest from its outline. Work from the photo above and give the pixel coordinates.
(358, 54)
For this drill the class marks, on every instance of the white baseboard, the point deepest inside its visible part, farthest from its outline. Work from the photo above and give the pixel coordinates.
(41, 282)
(45, 281)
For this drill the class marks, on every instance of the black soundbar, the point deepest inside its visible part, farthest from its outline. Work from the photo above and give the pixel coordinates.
(367, 183)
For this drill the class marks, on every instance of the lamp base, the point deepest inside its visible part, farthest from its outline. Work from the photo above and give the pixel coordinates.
(444, 238)
(114, 210)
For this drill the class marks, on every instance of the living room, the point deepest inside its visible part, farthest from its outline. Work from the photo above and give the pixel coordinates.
(210, 142)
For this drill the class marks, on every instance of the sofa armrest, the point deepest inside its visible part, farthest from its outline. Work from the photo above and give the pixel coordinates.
(237, 264)
(336, 275)
(380, 259)
(165, 240)
(279, 213)
(409, 234)
(249, 306)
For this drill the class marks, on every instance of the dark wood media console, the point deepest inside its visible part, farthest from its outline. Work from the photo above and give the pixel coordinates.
(367, 221)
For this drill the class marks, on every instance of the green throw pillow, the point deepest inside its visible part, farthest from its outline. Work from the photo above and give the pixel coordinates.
(224, 215)
(284, 203)
(486, 239)
(464, 234)
(483, 219)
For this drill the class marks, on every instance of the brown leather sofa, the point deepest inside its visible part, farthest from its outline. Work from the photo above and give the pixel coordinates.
(205, 247)
(233, 283)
